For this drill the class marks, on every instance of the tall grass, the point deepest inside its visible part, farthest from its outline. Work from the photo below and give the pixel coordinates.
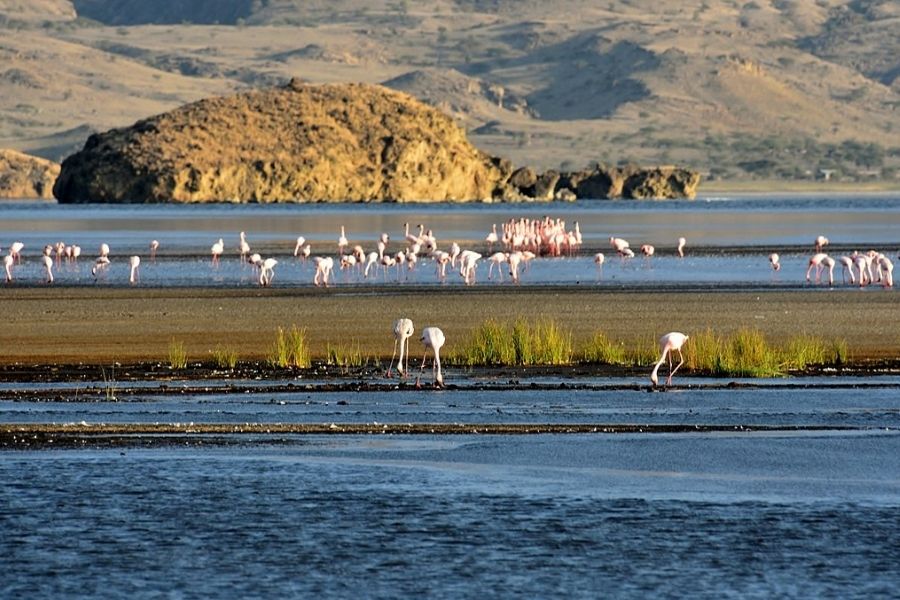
(290, 349)
(225, 358)
(516, 343)
(601, 349)
(177, 354)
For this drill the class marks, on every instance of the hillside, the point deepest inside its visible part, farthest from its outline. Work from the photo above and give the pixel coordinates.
(738, 90)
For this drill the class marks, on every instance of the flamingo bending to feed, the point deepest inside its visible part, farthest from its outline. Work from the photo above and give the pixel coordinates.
(15, 250)
(403, 330)
(323, 270)
(267, 271)
(816, 261)
(433, 338)
(669, 343)
(135, 262)
(618, 244)
(829, 263)
(300, 241)
(775, 260)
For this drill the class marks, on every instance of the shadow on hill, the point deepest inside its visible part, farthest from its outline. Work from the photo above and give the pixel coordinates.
(164, 12)
(585, 77)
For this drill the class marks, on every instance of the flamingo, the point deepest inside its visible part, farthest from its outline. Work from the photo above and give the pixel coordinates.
(775, 260)
(671, 342)
(492, 238)
(861, 268)
(154, 246)
(681, 244)
(324, 265)
(514, 259)
(342, 241)
(267, 271)
(15, 250)
(100, 266)
(433, 338)
(816, 261)
(48, 265)
(647, 250)
(618, 244)
(104, 249)
(371, 259)
(243, 246)
(217, 249)
(135, 262)
(8, 261)
(888, 271)
(468, 261)
(821, 242)
(496, 259)
(403, 330)
(410, 238)
(828, 263)
(847, 267)
(599, 259)
(300, 241)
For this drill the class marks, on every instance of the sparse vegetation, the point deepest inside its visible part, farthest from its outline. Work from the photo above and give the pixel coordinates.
(290, 349)
(110, 387)
(516, 343)
(177, 354)
(225, 358)
(345, 356)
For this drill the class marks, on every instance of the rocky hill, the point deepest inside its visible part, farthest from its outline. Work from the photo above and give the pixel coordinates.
(757, 89)
(23, 176)
(325, 142)
(294, 143)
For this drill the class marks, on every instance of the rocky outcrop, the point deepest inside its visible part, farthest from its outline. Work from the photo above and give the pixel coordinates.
(24, 176)
(294, 143)
(332, 143)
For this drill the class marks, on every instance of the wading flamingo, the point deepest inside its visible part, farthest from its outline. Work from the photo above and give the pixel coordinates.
(8, 261)
(324, 265)
(681, 244)
(15, 250)
(775, 260)
(828, 263)
(492, 237)
(816, 262)
(104, 249)
(599, 259)
(618, 244)
(300, 241)
(48, 265)
(154, 246)
(267, 271)
(217, 249)
(342, 241)
(433, 338)
(243, 246)
(888, 272)
(821, 242)
(403, 330)
(847, 267)
(135, 262)
(669, 343)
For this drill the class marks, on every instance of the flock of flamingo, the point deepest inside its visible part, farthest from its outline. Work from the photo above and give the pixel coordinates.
(433, 339)
(511, 248)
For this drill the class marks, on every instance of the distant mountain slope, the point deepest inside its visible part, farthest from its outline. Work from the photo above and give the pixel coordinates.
(763, 88)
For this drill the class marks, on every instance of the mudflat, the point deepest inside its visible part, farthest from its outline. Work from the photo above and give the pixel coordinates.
(93, 325)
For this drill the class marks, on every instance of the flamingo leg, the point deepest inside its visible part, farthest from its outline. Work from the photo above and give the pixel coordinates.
(421, 370)
(681, 362)
(391, 365)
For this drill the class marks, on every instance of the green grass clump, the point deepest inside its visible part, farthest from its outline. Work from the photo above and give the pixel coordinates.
(225, 358)
(290, 349)
(840, 351)
(345, 356)
(518, 343)
(804, 350)
(601, 349)
(748, 354)
(177, 354)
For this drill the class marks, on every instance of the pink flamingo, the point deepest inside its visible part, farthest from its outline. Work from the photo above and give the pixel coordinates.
(514, 259)
(847, 267)
(888, 271)
(618, 244)
(816, 262)
(100, 266)
(48, 265)
(433, 338)
(104, 249)
(775, 260)
(243, 246)
(135, 262)
(669, 343)
(821, 242)
(267, 271)
(681, 244)
(829, 263)
(468, 262)
(599, 259)
(403, 330)
(496, 259)
(154, 246)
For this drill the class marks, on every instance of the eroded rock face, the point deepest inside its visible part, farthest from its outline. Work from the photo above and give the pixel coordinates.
(25, 176)
(294, 143)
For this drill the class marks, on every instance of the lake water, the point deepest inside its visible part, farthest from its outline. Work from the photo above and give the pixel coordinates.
(729, 239)
(796, 493)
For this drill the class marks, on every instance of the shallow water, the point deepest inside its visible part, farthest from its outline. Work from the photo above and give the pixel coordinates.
(757, 226)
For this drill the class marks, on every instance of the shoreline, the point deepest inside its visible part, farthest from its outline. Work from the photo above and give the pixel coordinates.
(104, 326)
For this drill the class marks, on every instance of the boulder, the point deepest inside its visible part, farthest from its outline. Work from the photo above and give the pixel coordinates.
(337, 142)
(25, 176)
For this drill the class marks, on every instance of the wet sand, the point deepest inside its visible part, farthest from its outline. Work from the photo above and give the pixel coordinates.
(78, 325)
